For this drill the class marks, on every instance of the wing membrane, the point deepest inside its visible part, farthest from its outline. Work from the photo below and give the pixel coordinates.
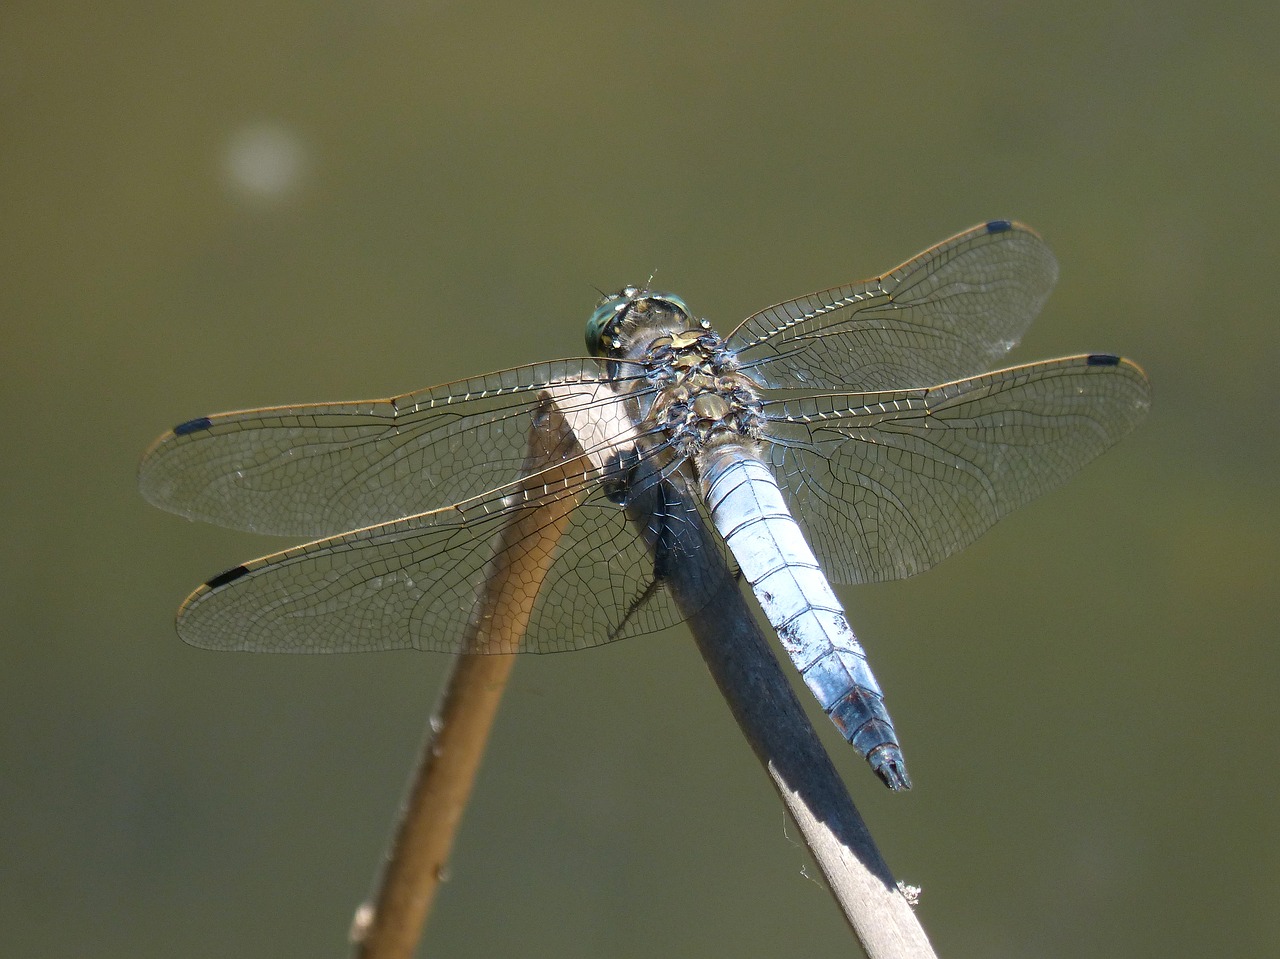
(890, 483)
(415, 583)
(948, 313)
(322, 469)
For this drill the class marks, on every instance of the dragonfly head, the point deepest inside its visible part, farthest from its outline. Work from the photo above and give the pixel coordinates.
(606, 330)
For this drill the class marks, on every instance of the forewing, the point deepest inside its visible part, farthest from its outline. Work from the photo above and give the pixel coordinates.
(323, 469)
(945, 314)
(887, 484)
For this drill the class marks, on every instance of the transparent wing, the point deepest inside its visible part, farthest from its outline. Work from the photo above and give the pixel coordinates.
(420, 582)
(948, 313)
(322, 469)
(890, 483)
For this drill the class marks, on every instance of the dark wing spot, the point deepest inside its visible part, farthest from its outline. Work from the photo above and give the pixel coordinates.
(998, 226)
(192, 426)
(230, 576)
(1103, 359)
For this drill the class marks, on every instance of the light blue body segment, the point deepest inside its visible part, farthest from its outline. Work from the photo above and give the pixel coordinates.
(749, 511)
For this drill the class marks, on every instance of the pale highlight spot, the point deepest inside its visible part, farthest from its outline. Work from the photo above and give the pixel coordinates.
(264, 160)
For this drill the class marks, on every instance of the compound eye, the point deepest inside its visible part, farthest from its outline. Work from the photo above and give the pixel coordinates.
(606, 314)
(673, 303)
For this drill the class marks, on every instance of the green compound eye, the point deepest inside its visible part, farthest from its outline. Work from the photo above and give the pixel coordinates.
(614, 306)
(605, 315)
(673, 303)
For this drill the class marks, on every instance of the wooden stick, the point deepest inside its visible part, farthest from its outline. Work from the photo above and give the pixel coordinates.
(390, 926)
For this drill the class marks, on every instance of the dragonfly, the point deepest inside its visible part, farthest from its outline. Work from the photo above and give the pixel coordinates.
(867, 412)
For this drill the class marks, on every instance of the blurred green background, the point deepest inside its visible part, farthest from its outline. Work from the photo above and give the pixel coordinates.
(210, 207)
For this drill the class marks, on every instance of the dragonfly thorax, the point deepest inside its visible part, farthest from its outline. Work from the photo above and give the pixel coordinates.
(706, 410)
(687, 383)
(700, 396)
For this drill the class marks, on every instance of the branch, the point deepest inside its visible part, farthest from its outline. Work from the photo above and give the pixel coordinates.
(390, 926)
